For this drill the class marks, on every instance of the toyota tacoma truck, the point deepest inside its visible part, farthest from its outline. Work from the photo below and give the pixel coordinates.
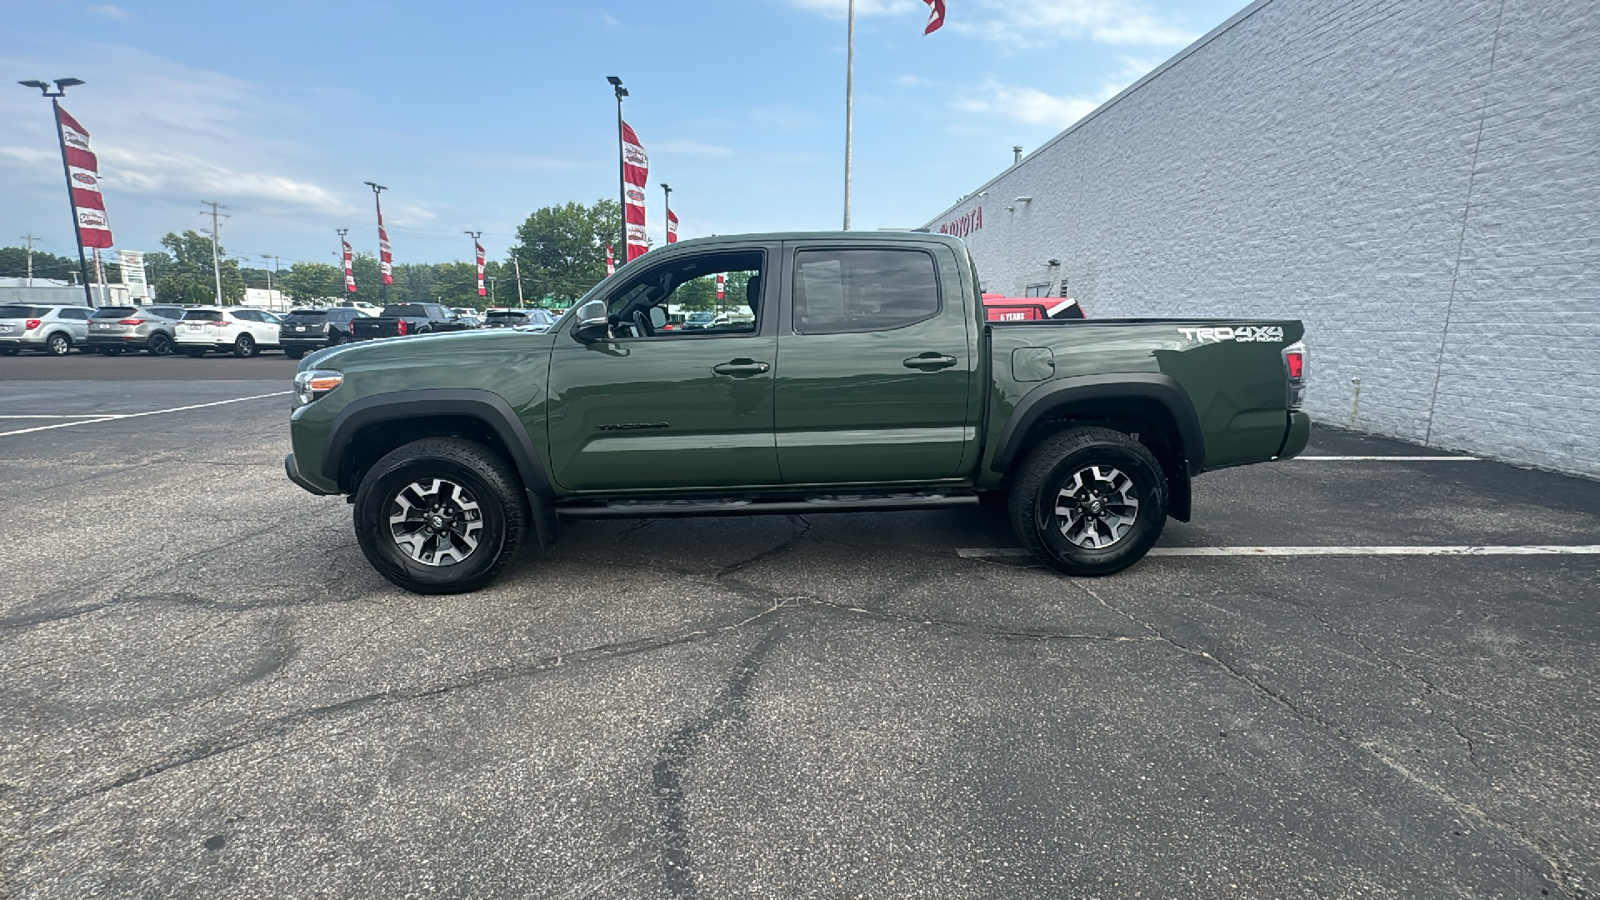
(854, 371)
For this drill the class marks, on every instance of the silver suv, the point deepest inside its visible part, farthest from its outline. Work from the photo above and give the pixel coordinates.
(50, 329)
(133, 328)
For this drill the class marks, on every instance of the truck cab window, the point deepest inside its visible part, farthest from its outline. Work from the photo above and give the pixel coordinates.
(712, 293)
(838, 291)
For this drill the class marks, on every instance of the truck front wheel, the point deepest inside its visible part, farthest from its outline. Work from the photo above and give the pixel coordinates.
(440, 516)
(1089, 501)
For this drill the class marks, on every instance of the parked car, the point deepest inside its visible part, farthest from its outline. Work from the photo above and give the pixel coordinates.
(119, 329)
(519, 318)
(472, 320)
(48, 329)
(305, 330)
(402, 319)
(238, 330)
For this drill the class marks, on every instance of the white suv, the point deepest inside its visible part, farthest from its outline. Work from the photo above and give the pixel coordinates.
(237, 330)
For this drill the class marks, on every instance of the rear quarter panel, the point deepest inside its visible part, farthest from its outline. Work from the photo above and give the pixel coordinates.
(1231, 369)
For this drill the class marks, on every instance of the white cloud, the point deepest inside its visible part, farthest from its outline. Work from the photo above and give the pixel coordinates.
(1025, 104)
(1037, 23)
(110, 12)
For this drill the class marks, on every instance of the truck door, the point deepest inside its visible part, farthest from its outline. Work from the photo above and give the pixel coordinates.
(875, 368)
(660, 406)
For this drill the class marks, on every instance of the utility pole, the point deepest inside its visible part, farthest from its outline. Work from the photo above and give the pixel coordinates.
(29, 238)
(264, 258)
(216, 227)
(849, 91)
(491, 290)
(517, 262)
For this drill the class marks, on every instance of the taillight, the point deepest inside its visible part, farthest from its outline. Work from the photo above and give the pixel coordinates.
(1294, 365)
(218, 322)
(31, 324)
(401, 327)
(130, 321)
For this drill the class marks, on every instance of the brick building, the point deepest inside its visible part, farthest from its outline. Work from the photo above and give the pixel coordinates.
(1419, 182)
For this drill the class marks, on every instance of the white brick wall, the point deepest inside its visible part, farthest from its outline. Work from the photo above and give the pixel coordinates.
(1419, 182)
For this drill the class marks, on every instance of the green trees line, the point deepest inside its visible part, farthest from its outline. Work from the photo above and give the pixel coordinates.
(561, 250)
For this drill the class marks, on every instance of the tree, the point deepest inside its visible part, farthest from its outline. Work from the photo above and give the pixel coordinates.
(562, 248)
(189, 277)
(14, 264)
(305, 282)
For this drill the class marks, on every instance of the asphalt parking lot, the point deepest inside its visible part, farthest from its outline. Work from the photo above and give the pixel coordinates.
(207, 691)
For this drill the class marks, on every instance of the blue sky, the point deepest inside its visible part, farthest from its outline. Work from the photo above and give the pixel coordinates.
(476, 114)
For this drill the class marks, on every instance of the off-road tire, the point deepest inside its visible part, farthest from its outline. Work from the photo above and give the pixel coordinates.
(1105, 465)
(480, 474)
(58, 344)
(245, 346)
(159, 345)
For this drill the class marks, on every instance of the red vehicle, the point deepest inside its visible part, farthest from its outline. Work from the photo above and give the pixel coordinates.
(1027, 309)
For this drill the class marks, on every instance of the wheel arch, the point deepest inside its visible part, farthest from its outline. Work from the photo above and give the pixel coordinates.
(1151, 405)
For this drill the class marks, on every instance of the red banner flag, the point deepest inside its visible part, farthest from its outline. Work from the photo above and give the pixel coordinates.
(385, 255)
(935, 15)
(479, 248)
(635, 173)
(83, 171)
(672, 227)
(721, 283)
(611, 262)
(349, 274)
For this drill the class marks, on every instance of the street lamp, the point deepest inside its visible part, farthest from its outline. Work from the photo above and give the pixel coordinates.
(385, 256)
(622, 181)
(55, 106)
(491, 279)
(666, 216)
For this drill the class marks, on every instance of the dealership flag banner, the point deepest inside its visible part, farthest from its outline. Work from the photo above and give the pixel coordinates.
(635, 172)
(385, 254)
(83, 170)
(721, 284)
(935, 15)
(611, 262)
(349, 274)
(479, 248)
(672, 227)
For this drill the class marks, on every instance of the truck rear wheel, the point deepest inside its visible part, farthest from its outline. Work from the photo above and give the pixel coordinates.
(1089, 501)
(440, 516)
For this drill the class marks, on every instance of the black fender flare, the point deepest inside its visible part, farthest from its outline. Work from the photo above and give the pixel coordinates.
(1064, 392)
(486, 406)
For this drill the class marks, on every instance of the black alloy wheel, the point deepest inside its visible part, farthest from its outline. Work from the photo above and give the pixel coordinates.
(160, 345)
(1089, 501)
(440, 516)
(245, 346)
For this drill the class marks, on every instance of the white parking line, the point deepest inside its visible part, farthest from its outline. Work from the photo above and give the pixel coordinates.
(74, 416)
(117, 417)
(1460, 550)
(1383, 459)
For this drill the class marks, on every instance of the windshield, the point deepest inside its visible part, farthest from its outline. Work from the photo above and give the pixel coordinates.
(202, 315)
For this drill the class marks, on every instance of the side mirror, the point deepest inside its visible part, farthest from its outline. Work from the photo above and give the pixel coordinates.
(593, 324)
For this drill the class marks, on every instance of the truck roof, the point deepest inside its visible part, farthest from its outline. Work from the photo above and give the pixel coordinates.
(875, 237)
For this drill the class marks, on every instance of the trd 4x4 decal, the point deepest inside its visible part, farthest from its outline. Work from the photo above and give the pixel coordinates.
(1240, 333)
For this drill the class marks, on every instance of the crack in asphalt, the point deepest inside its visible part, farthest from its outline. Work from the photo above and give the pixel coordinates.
(1564, 878)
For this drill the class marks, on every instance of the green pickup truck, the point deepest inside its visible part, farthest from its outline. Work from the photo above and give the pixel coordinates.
(852, 371)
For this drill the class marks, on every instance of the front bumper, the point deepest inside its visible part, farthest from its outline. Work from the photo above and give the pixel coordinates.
(293, 471)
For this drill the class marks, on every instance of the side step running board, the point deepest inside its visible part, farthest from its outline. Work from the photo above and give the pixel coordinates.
(631, 509)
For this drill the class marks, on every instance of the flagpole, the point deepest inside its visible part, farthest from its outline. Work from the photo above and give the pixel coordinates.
(849, 91)
(622, 161)
(77, 231)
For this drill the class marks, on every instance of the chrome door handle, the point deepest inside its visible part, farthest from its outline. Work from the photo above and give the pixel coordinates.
(929, 362)
(741, 368)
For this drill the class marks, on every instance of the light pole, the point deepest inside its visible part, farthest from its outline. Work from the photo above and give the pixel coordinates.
(264, 258)
(666, 210)
(492, 280)
(55, 107)
(622, 161)
(849, 91)
(385, 256)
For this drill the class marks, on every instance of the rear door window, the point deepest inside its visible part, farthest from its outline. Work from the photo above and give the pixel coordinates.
(838, 291)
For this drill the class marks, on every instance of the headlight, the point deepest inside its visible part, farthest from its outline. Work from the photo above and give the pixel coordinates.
(314, 383)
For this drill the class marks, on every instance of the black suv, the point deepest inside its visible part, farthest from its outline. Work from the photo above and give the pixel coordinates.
(305, 330)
